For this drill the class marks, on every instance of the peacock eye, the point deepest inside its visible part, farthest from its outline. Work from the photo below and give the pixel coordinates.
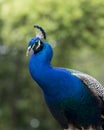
(38, 46)
(37, 43)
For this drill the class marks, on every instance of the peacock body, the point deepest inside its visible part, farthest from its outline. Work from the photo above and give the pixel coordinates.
(74, 98)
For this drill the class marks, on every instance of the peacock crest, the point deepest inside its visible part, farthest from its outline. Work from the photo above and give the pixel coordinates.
(40, 32)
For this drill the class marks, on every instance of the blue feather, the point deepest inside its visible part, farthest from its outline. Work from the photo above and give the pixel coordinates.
(67, 96)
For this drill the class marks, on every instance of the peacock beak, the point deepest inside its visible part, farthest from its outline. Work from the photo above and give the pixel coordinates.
(28, 50)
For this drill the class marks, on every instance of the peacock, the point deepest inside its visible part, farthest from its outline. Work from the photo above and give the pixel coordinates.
(75, 99)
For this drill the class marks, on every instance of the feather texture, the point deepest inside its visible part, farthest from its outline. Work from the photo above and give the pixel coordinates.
(91, 83)
(75, 99)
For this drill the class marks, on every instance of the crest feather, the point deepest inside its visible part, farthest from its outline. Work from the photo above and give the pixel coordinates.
(40, 33)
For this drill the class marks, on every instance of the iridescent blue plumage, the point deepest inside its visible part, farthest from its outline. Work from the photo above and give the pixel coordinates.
(68, 97)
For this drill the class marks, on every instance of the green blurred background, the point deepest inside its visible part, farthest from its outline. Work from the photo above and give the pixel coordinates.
(75, 29)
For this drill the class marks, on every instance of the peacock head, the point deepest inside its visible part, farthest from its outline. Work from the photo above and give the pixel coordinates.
(36, 44)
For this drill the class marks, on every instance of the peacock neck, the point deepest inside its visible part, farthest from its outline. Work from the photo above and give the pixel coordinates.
(37, 66)
(48, 77)
(41, 71)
